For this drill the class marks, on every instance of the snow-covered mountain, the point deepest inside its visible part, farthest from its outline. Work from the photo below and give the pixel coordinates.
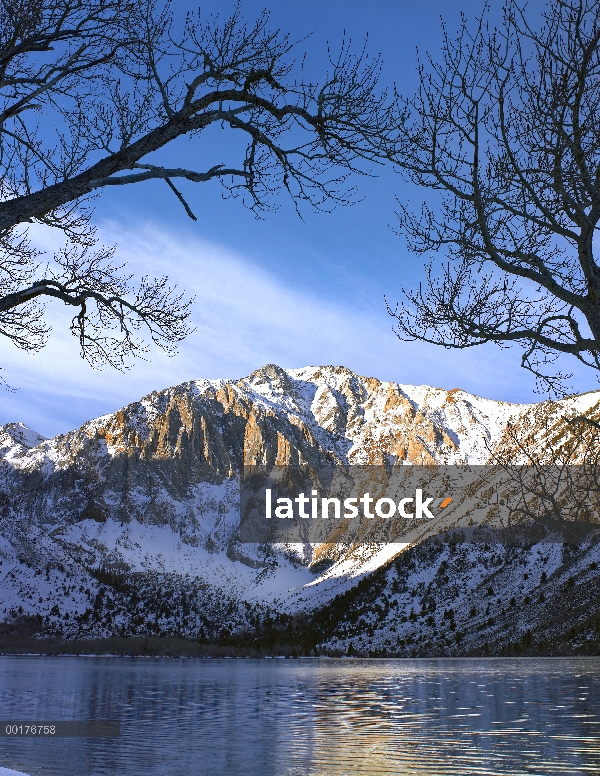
(128, 524)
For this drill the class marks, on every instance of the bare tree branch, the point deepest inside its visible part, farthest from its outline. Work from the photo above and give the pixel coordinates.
(110, 311)
(90, 92)
(507, 128)
(229, 73)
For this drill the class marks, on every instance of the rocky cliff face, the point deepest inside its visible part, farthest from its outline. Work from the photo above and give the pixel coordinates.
(149, 461)
(153, 490)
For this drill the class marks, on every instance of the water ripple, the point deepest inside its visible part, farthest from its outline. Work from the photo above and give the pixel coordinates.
(496, 717)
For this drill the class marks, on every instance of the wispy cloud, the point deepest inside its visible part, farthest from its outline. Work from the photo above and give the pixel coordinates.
(244, 318)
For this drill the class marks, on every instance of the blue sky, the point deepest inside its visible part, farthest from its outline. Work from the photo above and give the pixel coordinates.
(283, 290)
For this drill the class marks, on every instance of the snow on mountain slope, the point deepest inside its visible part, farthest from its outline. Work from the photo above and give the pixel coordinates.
(151, 493)
(17, 439)
(472, 598)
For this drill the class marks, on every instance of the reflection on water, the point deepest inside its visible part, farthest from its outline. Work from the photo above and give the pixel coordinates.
(308, 717)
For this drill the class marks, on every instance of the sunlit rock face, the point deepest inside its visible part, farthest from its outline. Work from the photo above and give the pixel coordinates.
(154, 487)
(149, 461)
(171, 458)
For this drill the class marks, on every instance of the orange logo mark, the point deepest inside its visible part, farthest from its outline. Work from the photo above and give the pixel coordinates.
(445, 502)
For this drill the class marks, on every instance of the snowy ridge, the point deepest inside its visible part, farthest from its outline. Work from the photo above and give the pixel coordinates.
(151, 493)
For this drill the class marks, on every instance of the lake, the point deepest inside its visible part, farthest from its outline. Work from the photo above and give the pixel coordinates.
(308, 716)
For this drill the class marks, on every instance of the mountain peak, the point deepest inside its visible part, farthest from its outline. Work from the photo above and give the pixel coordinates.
(17, 438)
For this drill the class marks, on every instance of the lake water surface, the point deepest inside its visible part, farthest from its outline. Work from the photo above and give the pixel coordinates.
(307, 716)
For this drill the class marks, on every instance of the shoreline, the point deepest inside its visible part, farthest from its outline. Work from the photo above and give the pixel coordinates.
(25, 638)
(180, 648)
(301, 657)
